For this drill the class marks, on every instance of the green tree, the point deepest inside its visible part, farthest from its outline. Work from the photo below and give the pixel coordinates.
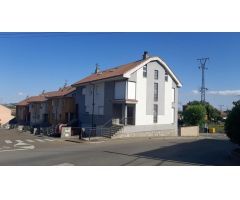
(194, 115)
(232, 124)
(213, 114)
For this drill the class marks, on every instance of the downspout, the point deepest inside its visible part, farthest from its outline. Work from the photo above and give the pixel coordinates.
(93, 103)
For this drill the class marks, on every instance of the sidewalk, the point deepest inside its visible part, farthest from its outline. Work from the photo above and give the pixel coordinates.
(85, 140)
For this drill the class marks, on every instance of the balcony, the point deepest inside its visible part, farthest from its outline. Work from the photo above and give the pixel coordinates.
(125, 92)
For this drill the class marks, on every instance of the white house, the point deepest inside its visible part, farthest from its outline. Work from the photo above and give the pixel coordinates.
(142, 96)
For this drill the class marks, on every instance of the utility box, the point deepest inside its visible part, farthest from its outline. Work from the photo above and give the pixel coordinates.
(20, 128)
(212, 130)
(66, 132)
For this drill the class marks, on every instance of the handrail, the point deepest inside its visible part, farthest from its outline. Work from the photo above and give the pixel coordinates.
(125, 119)
(110, 120)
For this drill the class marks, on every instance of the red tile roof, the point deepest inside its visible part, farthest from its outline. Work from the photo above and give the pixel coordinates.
(24, 102)
(110, 73)
(44, 97)
(61, 92)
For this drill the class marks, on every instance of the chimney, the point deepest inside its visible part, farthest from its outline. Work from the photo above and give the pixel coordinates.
(145, 55)
(97, 70)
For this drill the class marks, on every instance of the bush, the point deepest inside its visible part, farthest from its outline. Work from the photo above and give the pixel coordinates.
(232, 124)
(194, 115)
(213, 114)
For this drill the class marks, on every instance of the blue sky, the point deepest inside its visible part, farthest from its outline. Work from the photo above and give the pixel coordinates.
(30, 63)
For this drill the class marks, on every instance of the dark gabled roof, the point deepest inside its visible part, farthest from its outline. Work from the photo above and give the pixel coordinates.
(61, 92)
(45, 96)
(110, 73)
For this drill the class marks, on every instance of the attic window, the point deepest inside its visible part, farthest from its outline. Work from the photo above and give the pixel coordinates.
(166, 76)
(145, 71)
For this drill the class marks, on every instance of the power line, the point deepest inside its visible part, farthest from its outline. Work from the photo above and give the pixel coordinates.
(48, 34)
(203, 87)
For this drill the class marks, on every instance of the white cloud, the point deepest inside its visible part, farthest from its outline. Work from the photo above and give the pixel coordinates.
(20, 93)
(195, 92)
(221, 92)
(225, 92)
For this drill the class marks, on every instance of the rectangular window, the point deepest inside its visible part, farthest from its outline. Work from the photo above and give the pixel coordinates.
(145, 71)
(155, 113)
(45, 118)
(155, 91)
(156, 74)
(66, 117)
(174, 96)
(166, 76)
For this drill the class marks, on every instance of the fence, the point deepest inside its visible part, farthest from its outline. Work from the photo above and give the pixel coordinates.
(92, 132)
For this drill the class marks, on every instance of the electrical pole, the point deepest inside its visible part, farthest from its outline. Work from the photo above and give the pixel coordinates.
(203, 87)
(221, 107)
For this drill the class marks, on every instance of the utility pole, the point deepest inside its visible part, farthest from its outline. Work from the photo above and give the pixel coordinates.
(221, 107)
(203, 87)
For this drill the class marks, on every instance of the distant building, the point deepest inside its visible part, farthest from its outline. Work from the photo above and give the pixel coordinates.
(5, 115)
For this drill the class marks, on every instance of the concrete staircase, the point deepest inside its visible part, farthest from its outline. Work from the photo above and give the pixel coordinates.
(111, 131)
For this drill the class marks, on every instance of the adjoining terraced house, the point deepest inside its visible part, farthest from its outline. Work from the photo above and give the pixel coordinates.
(48, 108)
(140, 96)
(22, 112)
(61, 106)
(38, 108)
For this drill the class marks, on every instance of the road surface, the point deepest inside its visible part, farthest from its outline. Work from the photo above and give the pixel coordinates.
(24, 149)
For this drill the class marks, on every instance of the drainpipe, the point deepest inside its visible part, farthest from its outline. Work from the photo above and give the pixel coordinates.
(93, 103)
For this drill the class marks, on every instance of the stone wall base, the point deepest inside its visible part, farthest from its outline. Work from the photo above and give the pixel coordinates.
(155, 133)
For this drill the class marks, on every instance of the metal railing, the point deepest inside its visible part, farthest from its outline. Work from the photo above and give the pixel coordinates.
(93, 132)
(125, 121)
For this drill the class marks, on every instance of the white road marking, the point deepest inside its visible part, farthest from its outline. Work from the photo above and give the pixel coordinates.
(19, 141)
(8, 141)
(30, 140)
(65, 164)
(39, 140)
(50, 140)
(13, 150)
(28, 147)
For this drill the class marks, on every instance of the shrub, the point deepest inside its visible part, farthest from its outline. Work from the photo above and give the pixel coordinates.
(232, 124)
(213, 114)
(194, 115)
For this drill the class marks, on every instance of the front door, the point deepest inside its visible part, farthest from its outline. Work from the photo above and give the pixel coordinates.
(130, 114)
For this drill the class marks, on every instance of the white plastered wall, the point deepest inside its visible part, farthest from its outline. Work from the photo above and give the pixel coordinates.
(141, 95)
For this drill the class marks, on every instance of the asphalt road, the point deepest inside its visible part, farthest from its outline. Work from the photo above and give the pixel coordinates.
(23, 149)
